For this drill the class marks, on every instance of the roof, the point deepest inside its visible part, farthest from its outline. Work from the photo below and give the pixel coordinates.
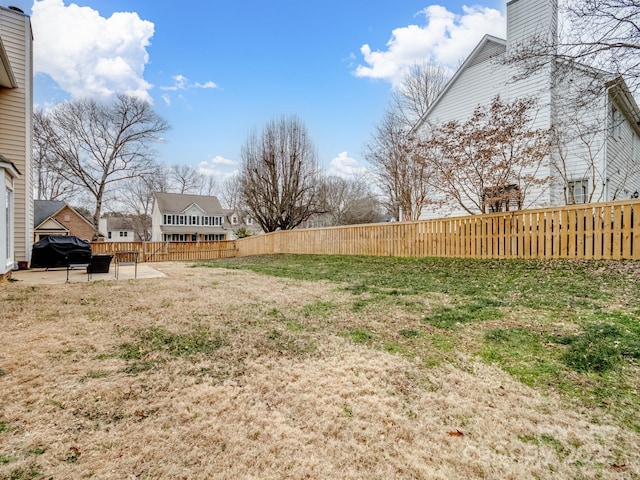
(178, 203)
(470, 61)
(43, 209)
(120, 223)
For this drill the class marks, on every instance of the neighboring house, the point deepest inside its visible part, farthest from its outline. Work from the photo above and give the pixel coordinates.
(16, 106)
(188, 218)
(54, 217)
(598, 155)
(238, 219)
(119, 229)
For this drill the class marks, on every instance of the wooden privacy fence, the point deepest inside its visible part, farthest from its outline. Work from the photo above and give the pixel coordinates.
(588, 231)
(169, 251)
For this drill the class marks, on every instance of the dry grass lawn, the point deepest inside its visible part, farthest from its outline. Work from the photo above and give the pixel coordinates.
(221, 374)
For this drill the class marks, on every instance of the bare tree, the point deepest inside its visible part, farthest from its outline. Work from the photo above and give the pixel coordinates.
(400, 163)
(137, 196)
(601, 34)
(50, 184)
(401, 167)
(98, 144)
(280, 175)
(185, 179)
(349, 201)
(420, 87)
(491, 161)
(231, 193)
(210, 186)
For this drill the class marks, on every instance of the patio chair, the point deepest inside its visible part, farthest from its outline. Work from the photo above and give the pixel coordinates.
(127, 258)
(78, 259)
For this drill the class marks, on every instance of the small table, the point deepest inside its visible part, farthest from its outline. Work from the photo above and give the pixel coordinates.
(127, 257)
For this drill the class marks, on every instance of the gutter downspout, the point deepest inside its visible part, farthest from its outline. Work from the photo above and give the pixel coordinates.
(605, 160)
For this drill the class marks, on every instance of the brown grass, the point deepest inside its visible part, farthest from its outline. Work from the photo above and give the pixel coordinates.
(282, 394)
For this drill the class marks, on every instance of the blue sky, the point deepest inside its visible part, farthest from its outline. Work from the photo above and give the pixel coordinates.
(218, 69)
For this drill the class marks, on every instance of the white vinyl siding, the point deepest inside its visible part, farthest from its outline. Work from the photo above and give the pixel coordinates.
(474, 86)
(623, 167)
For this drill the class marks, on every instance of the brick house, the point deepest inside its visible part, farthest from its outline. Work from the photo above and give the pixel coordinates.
(54, 217)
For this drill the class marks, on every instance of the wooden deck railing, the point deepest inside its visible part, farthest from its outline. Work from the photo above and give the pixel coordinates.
(592, 231)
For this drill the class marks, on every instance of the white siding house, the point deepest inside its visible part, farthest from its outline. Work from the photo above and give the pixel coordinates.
(188, 218)
(16, 94)
(597, 157)
(119, 229)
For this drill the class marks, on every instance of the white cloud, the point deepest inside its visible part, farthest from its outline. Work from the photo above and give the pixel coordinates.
(182, 83)
(87, 54)
(446, 38)
(344, 166)
(219, 167)
(206, 85)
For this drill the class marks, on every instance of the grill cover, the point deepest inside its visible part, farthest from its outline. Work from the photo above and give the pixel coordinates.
(51, 251)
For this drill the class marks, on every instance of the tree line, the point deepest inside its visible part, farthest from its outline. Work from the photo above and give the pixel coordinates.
(102, 153)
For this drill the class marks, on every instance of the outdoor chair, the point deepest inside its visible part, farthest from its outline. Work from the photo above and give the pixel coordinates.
(127, 258)
(78, 259)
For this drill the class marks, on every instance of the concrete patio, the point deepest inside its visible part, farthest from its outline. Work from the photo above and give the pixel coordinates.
(41, 276)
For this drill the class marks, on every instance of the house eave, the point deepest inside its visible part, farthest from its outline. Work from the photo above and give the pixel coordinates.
(9, 167)
(7, 78)
(486, 39)
(623, 98)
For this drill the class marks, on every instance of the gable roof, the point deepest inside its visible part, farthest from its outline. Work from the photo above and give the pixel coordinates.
(43, 209)
(120, 223)
(486, 49)
(178, 203)
(50, 224)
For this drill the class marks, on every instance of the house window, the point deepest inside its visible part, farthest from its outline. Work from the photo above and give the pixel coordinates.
(578, 191)
(214, 237)
(249, 221)
(214, 221)
(234, 220)
(109, 235)
(503, 198)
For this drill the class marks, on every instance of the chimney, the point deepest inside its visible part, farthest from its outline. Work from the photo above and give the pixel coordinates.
(531, 21)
